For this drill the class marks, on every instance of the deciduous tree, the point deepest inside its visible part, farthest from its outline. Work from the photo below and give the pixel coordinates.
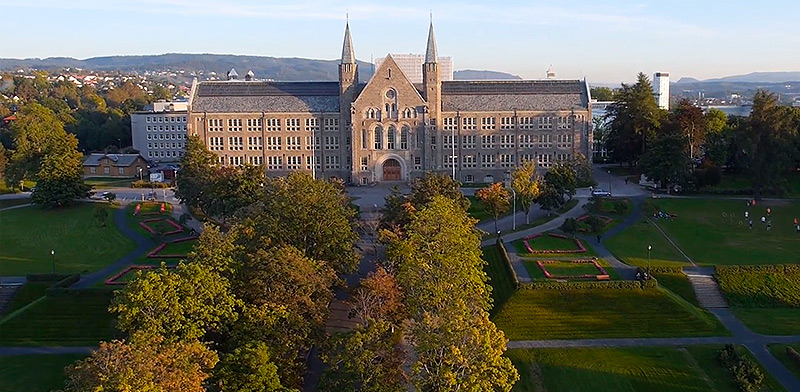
(196, 174)
(496, 199)
(249, 368)
(526, 183)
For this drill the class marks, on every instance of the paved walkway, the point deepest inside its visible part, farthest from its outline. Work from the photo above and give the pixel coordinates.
(11, 351)
(143, 245)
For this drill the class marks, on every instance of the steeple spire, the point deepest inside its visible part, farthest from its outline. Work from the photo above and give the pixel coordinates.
(348, 55)
(431, 54)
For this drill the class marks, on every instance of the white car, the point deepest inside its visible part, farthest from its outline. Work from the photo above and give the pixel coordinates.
(600, 193)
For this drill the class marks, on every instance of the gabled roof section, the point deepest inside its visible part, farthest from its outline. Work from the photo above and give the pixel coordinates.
(348, 54)
(537, 95)
(117, 160)
(387, 63)
(266, 96)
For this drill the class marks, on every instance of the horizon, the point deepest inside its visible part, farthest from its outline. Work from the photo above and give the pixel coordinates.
(676, 38)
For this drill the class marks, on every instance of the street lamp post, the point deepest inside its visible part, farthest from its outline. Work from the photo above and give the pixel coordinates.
(53, 257)
(609, 181)
(140, 174)
(649, 248)
(514, 211)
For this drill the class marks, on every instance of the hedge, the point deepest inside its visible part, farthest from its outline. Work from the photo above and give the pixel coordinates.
(792, 353)
(605, 285)
(504, 255)
(761, 285)
(666, 269)
(46, 277)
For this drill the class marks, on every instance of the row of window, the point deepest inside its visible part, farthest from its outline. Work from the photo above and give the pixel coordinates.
(490, 123)
(389, 141)
(168, 136)
(390, 112)
(164, 154)
(106, 170)
(156, 146)
(292, 143)
(329, 124)
(162, 128)
(165, 119)
(502, 160)
(291, 162)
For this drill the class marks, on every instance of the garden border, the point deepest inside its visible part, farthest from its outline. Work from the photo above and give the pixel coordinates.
(603, 275)
(581, 248)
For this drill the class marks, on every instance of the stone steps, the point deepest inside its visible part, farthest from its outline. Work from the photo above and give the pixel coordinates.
(707, 291)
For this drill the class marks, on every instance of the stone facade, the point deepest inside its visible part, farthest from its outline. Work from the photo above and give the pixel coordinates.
(390, 129)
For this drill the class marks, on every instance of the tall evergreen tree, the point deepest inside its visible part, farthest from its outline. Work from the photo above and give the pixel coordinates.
(634, 119)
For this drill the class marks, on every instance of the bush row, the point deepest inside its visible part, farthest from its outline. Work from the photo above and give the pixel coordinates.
(605, 285)
(501, 247)
(148, 184)
(666, 269)
(761, 286)
(46, 277)
(744, 371)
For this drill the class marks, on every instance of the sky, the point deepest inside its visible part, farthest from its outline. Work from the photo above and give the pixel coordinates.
(605, 41)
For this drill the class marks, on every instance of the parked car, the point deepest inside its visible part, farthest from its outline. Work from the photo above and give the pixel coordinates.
(600, 193)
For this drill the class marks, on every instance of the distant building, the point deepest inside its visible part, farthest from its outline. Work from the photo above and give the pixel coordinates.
(390, 128)
(114, 165)
(600, 128)
(411, 64)
(159, 131)
(661, 89)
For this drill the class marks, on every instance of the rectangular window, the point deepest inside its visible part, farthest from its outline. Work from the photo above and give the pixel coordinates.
(311, 160)
(488, 123)
(216, 143)
(449, 123)
(215, 125)
(331, 124)
(468, 141)
(469, 123)
(254, 125)
(469, 161)
(275, 163)
(449, 160)
(256, 160)
(448, 142)
(564, 122)
(506, 160)
(433, 142)
(312, 142)
(293, 162)
(487, 160)
(507, 123)
(93, 169)
(364, 164)
(312, 124)
(273, 142)
(292, 143)
(417, 163)
(106, 170)
(469, 178)
(564, 141)
(527, 141)
(487, 141)
(235, 143)
(273, 125)
(378, 138)
(364, 139)
(332, 162)
(507, 142)
(543, 160)
(331, 142)
(545, 141)
(255, 143)
(293, 124)
(234, 125)
(404, 139)
(525, 158)
(545, 123)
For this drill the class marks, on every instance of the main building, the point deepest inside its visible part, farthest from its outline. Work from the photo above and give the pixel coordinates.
(390, 129)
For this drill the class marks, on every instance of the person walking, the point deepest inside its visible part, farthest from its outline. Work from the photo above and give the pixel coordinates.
(751, 224)
(598, 238)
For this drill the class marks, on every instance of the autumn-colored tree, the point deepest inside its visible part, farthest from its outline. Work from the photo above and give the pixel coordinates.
(496, 199)
(526, 183)
(398, 208)
(147, 363)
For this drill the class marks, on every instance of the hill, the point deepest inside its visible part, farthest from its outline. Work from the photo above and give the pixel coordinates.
(753, 77)
(471, 74)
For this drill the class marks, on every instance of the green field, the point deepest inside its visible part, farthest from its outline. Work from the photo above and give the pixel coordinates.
(588, 313)
(4, 203)
(108, 182)
(29, 292)
(678, 284)
(630, 246)
(28, 234)
(546, 242)
(779, 352)
(770, 321)
(34, 373)
(179, 248)
(503, 285)
(765, 298)
(566, 268)
(70, 320)
(714, 232)
(667, 369)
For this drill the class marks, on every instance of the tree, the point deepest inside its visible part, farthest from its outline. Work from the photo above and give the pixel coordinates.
(715, 121)
(60, 176)
(100, 215)
(460, 351)
(180, 305)
(525, 182)
(602, 93)
(196, 174)
(313, 216)
(146, 363)
(667, 160)
(689, 120)
(634, 119)
(570, 226)
(428, 187)
(496, 199)
(3, 162)
(249, 368)
(439, 260)
(771, 135)
(36, 133)
(233, 188)
(584, 175)
(549, 198)
(561, 178)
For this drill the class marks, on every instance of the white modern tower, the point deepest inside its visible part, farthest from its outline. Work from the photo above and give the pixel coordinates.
(661, 89)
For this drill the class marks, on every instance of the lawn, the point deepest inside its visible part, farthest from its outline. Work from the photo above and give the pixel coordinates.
(73, 320)
(500, 278)
(587, 313)
(630, 246)
(4, 203)
(28, 234)
(547, 242)
(715, 231)
(29, 292)
(779, 352)
(477, 210)
(108, 182)
(678, 284)
(668, 369)
(179, 248)
(769, 321)
(566, 268)
(34, 373)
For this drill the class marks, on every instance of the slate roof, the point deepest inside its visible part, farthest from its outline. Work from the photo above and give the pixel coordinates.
(118, 160)
(266, 96)
(536, 95)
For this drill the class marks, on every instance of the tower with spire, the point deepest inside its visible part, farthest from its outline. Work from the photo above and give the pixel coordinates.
(348, 76)
(431, 76)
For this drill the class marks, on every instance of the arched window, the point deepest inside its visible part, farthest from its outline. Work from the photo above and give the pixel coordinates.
(407, 113)
(378, 138)
(390, 138)
(388, 111)
(370, 113)
(394, 110)
(404, 138)
(364, 139)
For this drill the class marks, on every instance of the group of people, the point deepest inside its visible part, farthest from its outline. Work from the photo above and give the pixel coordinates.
(765, 218)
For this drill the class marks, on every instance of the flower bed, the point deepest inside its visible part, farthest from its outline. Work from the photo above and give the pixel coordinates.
(603, 275)
(115, 280)
(177, 228)
(155, 255)
(581, 248)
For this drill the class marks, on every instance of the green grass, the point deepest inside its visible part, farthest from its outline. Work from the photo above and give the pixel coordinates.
(29, 292)
(570, 204)
(767, 286)
(575, 314)
(714, 232)
(477, 210)
(779, 352)
(546, 242)
(667, 369)
(678, 284)
(34, 373)
(180, 248)
(566, 268)
(108, 182)
(28, 234)
(630, 246)
(770, 321)
(75, 320)
(5, 203)
(500, 278)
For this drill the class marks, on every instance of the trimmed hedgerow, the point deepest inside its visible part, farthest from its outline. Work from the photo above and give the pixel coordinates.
(761, 285)
(605, 285)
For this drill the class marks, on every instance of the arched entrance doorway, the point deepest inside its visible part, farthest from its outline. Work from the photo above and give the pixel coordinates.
(392, 170)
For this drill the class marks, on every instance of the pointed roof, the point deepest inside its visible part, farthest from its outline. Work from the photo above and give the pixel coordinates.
(431, 54)
(348, 55)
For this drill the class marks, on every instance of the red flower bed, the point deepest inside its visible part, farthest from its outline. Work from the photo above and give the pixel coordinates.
(603, 275)
(155, 255)
(581, 248)
(178, 228)
(114, 280)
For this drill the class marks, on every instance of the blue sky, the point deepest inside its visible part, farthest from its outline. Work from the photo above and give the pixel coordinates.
(606, 41)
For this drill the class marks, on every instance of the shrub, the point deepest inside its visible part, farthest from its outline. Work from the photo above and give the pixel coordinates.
(595, 223)
(761, 285)
(744, 371)
(570, 226)
(620, 206)
(793, 354)
(605, 285)
(148, 184)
